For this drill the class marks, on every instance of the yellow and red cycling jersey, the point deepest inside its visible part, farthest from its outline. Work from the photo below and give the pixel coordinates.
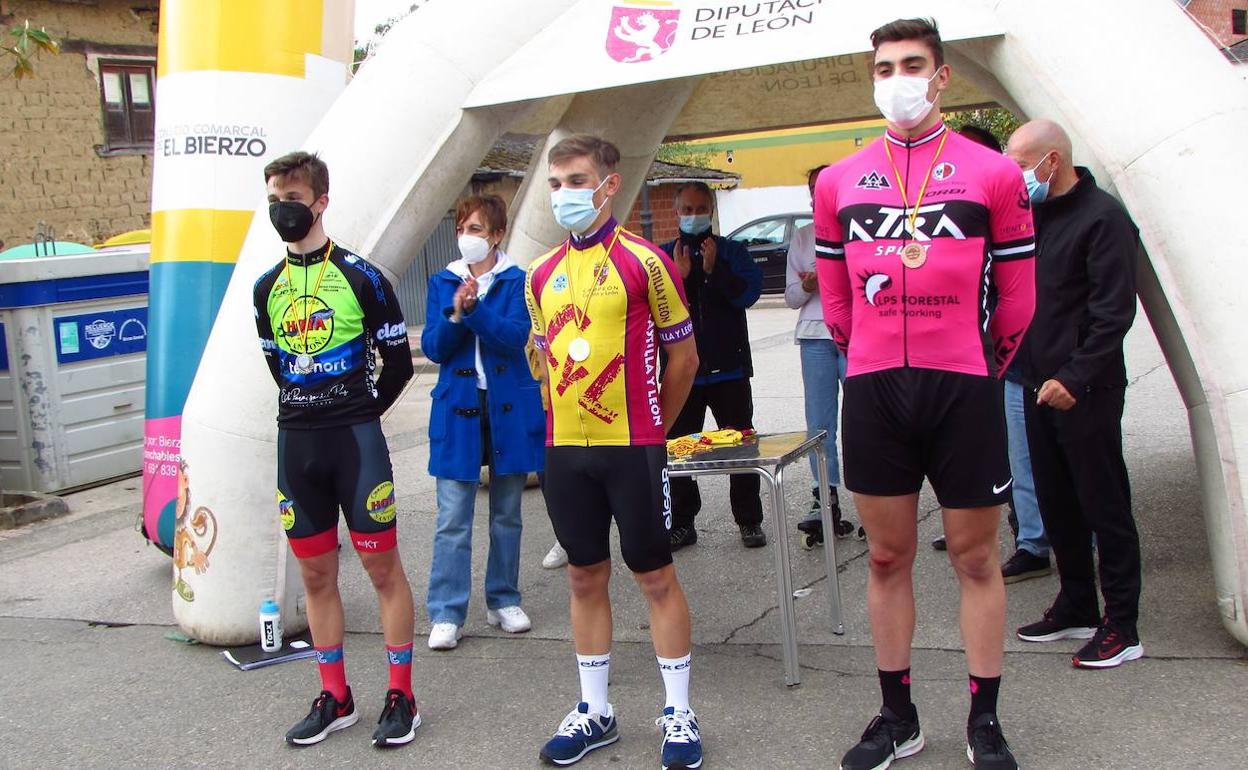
(620, 294)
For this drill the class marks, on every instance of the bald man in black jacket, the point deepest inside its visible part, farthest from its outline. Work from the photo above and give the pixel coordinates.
(1072, 362)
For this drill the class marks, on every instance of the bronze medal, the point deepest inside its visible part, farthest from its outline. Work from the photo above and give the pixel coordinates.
(914, 255)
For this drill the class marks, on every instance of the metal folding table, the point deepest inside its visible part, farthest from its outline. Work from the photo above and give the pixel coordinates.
(768, 455)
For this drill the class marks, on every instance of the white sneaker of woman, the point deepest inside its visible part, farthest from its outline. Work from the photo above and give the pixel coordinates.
(556, 557)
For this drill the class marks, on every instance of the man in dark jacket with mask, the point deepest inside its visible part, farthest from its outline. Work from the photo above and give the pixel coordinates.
(1072, 362)
(721, 282)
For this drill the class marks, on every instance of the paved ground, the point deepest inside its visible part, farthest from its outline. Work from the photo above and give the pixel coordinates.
(90, 680)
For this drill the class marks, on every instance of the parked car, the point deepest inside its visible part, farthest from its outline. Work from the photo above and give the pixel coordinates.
(767, 239)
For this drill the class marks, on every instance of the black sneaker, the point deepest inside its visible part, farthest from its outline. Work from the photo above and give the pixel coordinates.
(1051, 628)
(1109, 648)
(327, 715)
(986, 746)
(682, 535)
(398, 721)
(886, 739)
(940, 544)
(752, 536)
(1025, 565)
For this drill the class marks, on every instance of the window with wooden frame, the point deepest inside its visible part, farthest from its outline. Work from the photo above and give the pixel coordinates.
(128, 101)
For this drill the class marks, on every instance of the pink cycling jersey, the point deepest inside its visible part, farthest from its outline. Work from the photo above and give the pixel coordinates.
(975, 222)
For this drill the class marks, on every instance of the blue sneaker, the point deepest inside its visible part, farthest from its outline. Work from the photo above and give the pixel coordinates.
(682, 744)
(579, 733)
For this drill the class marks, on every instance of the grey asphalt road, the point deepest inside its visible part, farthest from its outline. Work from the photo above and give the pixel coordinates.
(91, 681)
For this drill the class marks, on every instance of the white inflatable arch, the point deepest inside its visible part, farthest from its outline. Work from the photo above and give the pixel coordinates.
(1165, 133)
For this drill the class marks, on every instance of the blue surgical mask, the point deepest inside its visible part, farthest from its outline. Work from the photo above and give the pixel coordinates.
(574, 208)
(692, 224)
(1036, 190)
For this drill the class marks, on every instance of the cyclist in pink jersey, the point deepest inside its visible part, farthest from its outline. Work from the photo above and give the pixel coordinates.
(913, 234)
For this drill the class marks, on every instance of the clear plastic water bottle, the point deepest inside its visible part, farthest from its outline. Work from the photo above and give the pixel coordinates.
(270, 626)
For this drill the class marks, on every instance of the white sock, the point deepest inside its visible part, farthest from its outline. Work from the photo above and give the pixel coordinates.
(675, 673)
(594, 671)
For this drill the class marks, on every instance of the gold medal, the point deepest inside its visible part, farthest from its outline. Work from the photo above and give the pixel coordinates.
(914, 255)
(578, 349)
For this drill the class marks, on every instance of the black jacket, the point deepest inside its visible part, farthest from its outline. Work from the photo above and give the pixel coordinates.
(1086, 250)
(717, 304)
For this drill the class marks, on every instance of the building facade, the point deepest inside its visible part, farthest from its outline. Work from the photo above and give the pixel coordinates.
(1226, 23)
(76, 139)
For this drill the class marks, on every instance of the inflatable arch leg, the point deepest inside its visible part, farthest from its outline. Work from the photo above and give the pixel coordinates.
(635, 118)
(387, 203)
(1168, 160)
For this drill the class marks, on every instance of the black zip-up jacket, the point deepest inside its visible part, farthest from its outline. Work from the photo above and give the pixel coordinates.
(717, 305)
(1086, 250)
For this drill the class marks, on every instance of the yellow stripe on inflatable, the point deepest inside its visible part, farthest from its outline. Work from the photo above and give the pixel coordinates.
(269, 36)
(199, 235)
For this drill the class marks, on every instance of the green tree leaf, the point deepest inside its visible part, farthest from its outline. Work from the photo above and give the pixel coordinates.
(28, 41)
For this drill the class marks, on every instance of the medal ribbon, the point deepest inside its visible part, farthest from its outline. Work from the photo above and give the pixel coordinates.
(307, 315)
(914, 214)
(593, 289)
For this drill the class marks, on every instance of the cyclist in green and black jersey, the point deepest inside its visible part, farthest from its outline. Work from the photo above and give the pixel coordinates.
(320, 313)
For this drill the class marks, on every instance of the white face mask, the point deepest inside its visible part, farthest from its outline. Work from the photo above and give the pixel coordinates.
(902, 99)
(474, 248)
(574, 208)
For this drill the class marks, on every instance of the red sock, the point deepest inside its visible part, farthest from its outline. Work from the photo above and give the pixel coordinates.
(333, 671)
(401, 668)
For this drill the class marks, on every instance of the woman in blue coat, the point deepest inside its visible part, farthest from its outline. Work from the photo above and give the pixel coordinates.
(487, 411)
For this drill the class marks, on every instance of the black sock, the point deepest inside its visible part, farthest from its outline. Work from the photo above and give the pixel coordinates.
(895, 686)
(984, 691)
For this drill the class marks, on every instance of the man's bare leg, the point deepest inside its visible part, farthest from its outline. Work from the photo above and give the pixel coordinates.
(973, 550)
(892, 534)
(591, 608)
(320, 583)
(394, 595)
(669, 611)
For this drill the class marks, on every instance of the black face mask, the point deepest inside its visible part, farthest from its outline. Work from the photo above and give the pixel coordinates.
(291, 219)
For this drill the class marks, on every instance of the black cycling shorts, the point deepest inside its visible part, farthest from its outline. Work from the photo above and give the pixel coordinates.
(322, 470)
(588, 486)
(900, 425)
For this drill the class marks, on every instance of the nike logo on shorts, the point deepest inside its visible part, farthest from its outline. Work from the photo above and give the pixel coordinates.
(996, 490)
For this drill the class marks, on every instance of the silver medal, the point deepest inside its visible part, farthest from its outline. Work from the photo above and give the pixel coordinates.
(578, 349)
(303, 363)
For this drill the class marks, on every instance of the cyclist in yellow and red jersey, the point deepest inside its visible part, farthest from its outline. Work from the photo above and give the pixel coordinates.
(602, 303)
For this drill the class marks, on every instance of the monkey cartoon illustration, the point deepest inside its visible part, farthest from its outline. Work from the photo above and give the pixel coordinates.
(190, 533)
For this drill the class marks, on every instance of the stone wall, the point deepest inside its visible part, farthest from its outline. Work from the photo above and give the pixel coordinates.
(51, 126)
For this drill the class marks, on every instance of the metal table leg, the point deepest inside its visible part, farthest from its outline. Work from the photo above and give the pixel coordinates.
(829, 543)
(784, 578)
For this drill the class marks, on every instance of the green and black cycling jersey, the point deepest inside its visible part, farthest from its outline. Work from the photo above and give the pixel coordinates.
(319, 316)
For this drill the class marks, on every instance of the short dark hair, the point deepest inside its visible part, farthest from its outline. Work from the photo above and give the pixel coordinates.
(980, 135)
(923, 30)
(493, 211)
(813, 174)
(303, 167)
(701, 187)
(604, 155)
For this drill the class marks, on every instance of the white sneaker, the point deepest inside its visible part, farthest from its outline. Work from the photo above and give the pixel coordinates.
(512, 619)
(445, 636)
(556, 557)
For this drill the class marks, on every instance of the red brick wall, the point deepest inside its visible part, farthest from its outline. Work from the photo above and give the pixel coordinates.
(665, 225)
(1216, 15)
